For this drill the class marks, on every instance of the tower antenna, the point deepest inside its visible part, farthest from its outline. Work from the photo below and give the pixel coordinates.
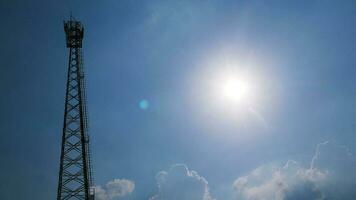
(75, 177)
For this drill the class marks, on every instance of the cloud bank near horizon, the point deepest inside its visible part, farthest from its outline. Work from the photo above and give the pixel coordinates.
(330, 174)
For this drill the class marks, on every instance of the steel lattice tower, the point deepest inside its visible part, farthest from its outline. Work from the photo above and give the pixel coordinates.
(75, 180)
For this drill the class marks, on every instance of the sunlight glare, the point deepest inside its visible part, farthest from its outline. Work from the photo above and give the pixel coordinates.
(235, 89)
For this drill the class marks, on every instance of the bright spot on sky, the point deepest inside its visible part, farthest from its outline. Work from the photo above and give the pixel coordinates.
(235, 89)
(143, 104)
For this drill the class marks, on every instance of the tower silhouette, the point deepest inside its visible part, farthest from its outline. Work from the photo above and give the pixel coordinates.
(75, 178)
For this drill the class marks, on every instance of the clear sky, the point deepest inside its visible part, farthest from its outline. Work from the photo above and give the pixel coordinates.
(161, 127)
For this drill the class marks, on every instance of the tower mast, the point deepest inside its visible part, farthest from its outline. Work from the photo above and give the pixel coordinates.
(75, 180)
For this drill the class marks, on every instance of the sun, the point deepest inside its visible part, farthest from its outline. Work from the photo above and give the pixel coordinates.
(235, 89)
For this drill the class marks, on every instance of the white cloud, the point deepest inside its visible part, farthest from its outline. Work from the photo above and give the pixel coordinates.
(331, 174)
(180, 183)
(115, 189)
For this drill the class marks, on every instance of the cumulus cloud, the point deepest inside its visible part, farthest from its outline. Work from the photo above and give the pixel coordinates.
(329, 175)
(115, 189)
(180, 183)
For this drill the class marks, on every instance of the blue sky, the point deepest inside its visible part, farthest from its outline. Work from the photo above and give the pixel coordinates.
(298, 56)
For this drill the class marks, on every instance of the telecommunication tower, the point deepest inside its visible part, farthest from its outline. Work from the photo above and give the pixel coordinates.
(75, 178)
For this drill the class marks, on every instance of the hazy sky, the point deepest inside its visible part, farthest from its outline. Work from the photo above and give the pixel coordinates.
(160, 128)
